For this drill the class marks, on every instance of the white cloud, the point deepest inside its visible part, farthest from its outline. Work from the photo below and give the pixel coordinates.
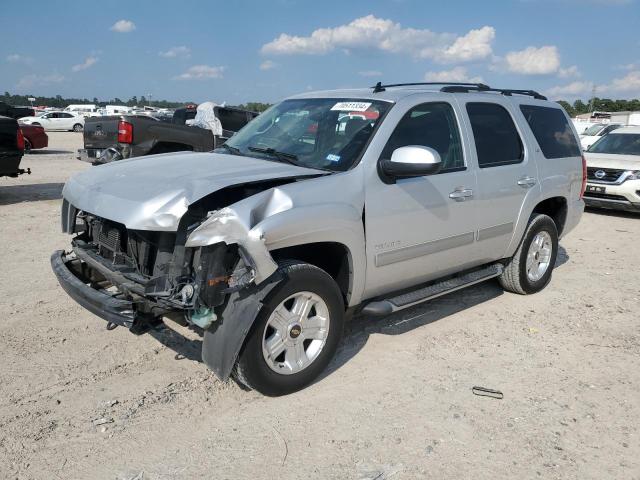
(201, 72)
(34, 80)
(385, 35)
(457, 74)
(268, 65)
(573, 89)
(628, 66)
(475, 45)
(370, 73)
(123, 26)
(17, 58)
(569, 72)
(534, 61)
(174, 52)
(88, 62)
(627, 84)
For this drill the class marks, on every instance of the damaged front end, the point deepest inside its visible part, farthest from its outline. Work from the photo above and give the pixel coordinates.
(134, 277)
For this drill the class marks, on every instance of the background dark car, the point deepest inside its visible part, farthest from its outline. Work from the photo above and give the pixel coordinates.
(10, 111)
(11, 148)
(34, 137)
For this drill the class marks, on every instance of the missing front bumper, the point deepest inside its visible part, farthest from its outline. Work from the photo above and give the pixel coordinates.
(114, 310)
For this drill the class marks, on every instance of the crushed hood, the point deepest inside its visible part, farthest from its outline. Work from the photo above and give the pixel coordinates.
(620, 162)
(153, 193)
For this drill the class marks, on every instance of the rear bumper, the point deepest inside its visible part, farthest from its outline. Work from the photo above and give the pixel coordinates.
(107, 307)
(100, 156)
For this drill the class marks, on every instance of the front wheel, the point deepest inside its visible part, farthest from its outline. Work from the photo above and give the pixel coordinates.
(295, 334)
(77, 127)
(529, 270)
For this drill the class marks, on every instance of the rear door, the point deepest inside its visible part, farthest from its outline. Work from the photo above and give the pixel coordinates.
(507, 172)
(67, 121)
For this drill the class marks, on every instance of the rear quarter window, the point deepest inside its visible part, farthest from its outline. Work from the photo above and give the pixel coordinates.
(552, 131)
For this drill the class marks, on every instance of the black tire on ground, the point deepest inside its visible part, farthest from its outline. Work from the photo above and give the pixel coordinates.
(251, 369)
(77, 127)
(27, 146)
(515, 278)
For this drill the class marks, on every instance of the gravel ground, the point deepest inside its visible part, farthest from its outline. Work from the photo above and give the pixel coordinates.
(78, 401)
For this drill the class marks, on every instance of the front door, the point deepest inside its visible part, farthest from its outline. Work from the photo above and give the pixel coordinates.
(418, 229)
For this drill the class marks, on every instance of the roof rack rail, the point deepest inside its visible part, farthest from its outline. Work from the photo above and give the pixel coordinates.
(504, 91)
(379, 87)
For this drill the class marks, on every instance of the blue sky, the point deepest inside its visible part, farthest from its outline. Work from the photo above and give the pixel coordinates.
(240, 50)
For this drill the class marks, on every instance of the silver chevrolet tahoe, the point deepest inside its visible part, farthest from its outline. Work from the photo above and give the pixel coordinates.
(329, 203)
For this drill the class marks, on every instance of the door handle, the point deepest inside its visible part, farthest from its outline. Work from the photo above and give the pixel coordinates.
(461, 194)
(527, 182)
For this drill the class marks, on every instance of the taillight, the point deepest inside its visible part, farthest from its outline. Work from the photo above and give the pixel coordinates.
(584, 177)
(20, 140)
(125, 132)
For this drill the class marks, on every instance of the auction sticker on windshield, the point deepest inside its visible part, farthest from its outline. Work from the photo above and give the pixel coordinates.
(351, 106)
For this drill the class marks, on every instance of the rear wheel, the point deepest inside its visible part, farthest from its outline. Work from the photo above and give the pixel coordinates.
(530, 269)
(77, 127)
(295, 334)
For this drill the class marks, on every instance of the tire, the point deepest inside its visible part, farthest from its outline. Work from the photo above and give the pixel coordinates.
(518, 276)
(27, 146)
(277, 375)
(78, 127)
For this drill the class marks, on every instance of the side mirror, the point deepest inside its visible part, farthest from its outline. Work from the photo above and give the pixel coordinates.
(411, 161)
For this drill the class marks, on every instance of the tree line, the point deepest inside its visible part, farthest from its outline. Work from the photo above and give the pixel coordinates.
(601, 105)
(60, 102)
(576, 108)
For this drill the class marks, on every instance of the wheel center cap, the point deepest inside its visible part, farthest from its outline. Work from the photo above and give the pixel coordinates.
(295, 331)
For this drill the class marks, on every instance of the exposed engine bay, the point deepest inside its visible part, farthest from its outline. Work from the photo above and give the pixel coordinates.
(157, 271)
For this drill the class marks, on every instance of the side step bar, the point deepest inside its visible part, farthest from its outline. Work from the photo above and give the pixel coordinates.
(431, 291)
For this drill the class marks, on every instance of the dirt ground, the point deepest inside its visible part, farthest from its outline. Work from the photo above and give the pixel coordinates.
(80, 402)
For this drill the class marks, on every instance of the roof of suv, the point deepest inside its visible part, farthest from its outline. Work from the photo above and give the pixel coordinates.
(395, 93)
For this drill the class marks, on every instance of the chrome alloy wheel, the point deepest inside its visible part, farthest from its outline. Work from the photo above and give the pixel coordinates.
(539, 256)
(295, 333)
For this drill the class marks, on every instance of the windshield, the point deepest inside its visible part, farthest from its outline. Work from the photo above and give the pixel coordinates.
(592, 130)
(323, 133)
(617, 143)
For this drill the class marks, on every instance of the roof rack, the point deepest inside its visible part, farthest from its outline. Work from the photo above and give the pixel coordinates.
(462, 87)
(379, 87)
(504, 91)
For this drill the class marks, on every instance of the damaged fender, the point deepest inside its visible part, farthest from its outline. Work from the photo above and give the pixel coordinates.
(224, 339)
(225, 225)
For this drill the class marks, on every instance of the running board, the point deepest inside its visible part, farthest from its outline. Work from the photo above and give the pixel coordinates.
(434, 290)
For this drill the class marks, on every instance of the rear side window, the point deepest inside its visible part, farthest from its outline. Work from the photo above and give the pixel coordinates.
(497, 140)
(431, 125)
(552, 131)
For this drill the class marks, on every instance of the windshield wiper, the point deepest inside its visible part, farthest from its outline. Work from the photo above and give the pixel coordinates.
(233, 150)
(284, 156)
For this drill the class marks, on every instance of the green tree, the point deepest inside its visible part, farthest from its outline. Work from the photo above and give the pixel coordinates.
(567, 106)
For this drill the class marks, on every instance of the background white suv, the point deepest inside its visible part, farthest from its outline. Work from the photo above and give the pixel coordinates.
(613, 171)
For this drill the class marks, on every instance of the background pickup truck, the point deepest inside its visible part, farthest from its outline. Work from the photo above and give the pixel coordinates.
(11, 148)
(124, 136)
